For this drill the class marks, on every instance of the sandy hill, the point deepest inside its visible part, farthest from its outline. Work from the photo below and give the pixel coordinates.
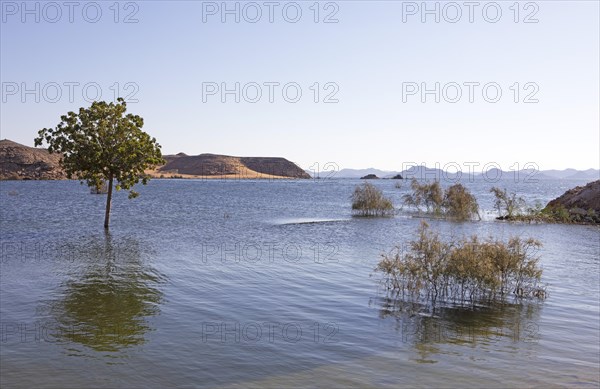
(224, 166)
(20, 162)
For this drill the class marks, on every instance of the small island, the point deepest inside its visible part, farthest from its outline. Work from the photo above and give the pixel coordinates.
(369, 177)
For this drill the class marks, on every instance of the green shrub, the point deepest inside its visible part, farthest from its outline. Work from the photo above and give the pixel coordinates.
(468, 270)
(367, 200)
(557, 214)
(459, 203)
(456, 202)
(428, 195)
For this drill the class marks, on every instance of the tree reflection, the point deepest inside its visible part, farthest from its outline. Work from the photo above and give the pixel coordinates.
(428, 330)
(107, 302)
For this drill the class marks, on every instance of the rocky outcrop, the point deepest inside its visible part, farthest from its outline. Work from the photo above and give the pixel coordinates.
(20, 162)
(579, 205)
(369, 177)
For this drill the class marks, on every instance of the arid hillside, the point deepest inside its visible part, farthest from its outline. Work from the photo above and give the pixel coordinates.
(582, 203)
(20, 162)
(224, 166)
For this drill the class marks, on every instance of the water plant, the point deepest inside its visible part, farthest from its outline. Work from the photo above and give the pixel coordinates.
(465, 271)
(367, 200)
(459, 203)
(456, 202)
(428, 195)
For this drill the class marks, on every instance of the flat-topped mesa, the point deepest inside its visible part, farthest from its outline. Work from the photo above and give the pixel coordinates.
(20, 162)
(275, 166)
(213, 165)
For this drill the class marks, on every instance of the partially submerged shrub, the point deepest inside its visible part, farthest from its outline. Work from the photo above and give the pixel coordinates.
(507, 205)
(469, 270)
(428, 195)
(456, 202)
(367, 200)
(459, 203)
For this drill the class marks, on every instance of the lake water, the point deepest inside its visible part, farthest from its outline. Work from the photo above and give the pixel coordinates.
(270, 284)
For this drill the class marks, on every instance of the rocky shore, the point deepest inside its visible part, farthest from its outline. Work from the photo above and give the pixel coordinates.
(578, 205)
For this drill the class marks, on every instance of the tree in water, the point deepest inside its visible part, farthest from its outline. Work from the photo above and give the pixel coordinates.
(507, 204)
(103, 144)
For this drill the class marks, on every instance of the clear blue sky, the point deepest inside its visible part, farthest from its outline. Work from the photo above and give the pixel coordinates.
(370, 54)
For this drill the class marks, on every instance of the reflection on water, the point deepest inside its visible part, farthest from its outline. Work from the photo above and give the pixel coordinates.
(501, 324)
(113, 321)
(105, 305)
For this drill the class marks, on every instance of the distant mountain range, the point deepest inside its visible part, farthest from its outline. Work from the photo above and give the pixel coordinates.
(422, 172)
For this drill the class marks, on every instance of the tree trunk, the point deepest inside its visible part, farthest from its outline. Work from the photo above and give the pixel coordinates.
(108, 201)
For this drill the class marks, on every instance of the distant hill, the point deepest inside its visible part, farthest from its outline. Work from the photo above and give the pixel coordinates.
(531, 174)
(590, 174)
(358, 173)
(519, 175)
(225, 166)
(418, 171)
(20, 162)
(560, 173)
(423, 172)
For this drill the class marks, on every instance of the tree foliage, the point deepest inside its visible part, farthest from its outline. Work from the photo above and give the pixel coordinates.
(455, 202)
(459, 203)
(103, 143)
(428, 195)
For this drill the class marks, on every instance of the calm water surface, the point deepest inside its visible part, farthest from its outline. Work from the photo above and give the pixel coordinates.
(270, 284)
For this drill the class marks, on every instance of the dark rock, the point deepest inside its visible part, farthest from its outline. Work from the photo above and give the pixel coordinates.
(369, 177)
(582, 204)
(20, 162)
